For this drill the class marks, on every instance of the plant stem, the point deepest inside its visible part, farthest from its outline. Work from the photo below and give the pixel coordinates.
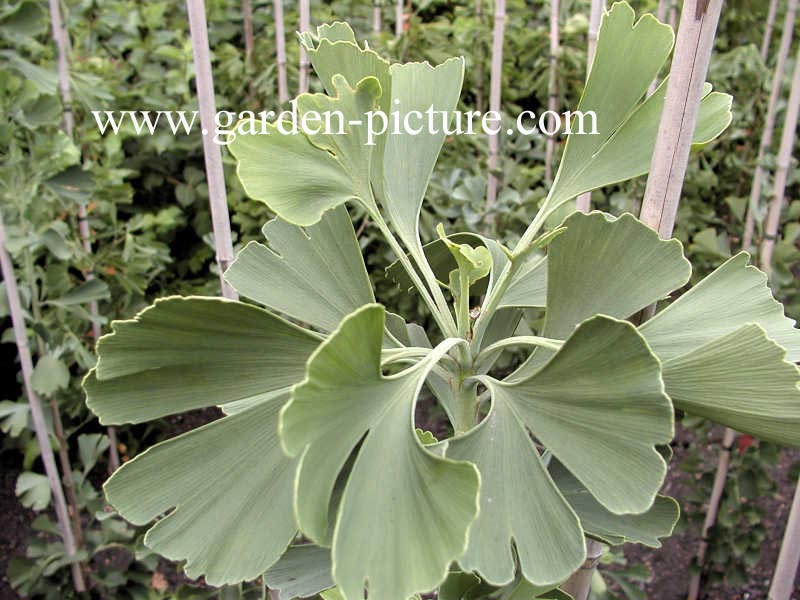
(280, 51)
(495, 88)
(213, 156)
(37, 416)
(769, 124)
(773, 221)
(466, 403)
(789, 556)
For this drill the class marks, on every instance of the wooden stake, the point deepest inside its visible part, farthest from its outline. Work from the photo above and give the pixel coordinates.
(305, 25)
(62, 48)
(37, 415)
(479, 75)
(693, 47)
(773, 10)
(552, 89)
(769, 124)
(773, 220)
(280, 48)
(377, 18)
(495, 88)
(584, 201)
(579, 583)
(720, 479)
(247, 22)
(398, 18)
(789, 556)
(213, 157)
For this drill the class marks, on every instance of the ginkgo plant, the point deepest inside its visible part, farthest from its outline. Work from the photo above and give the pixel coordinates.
(318, 477)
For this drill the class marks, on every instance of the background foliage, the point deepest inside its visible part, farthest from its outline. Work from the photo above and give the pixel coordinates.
(150, 223)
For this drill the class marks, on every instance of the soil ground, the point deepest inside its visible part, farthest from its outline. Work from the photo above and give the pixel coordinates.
(669, 565)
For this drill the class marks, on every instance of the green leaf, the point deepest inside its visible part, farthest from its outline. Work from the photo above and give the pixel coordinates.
(519, 502)
(300, 573)
(627, 126)
(456, 586)
(734, 295)
(90, 447)
(55, 243)
(268, 165)
(227, 488)
(528, 288)
(408, 159)
(646, 528)
(424, 508)
(94, 289)
(316, 275)
(13, 417)
(49, 375)
(741, 380)
(474, 263)
(599, 406)
(33, 490)
(605, 265)
(185, 353)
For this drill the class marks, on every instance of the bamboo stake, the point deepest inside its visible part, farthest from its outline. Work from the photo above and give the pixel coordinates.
(789, 556)
(769, 124)
(247, 22)
(552, 89)
(579, 583)
(773, 10)
(377, 19)
(305, 25)
(62, 48)
(781, 172)
(693, 47)
(398, 18)
(280, 47)
(661, 10)
(673, 13)
(37, 415)
(213, 157)
(495, 88)
(584, 201)
(720, 479)
(479, 56)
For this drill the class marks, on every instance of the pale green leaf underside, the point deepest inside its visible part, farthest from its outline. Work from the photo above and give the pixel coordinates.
(599, 401)
(301, 572)
(396, 490)
(520, 505)
(646, 528)
(316, 275)
(627, 126)
(733, 295)
(186, 353)
(230, 486)
(408, 159)
(741, 380)
(268, 165)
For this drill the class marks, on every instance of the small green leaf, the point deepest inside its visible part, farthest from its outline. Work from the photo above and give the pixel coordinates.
(49, 375)
(33, 490)
(94, 289)
(13, 417)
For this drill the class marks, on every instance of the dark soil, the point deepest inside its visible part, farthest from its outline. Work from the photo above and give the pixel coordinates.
(669, 565)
